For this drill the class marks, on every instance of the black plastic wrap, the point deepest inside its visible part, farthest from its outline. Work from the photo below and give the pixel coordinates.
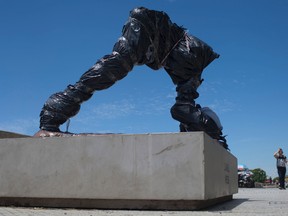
(148, 37)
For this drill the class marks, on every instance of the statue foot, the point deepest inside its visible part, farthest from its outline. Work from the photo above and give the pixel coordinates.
(45, 133)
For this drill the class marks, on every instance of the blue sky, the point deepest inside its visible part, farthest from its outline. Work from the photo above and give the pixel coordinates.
(46, 45)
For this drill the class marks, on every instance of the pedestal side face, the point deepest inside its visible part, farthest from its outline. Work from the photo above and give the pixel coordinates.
(145, 166)
(168, 166)
(221, 177)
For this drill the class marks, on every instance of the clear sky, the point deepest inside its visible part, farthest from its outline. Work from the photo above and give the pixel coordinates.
(46, 45)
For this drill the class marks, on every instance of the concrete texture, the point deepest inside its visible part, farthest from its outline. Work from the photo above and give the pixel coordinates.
(90, 171)
(247, 202)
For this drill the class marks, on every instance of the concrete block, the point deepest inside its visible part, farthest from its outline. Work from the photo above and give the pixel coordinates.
(118, 171)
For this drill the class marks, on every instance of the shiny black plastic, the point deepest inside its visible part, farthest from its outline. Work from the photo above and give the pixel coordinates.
(148, 37)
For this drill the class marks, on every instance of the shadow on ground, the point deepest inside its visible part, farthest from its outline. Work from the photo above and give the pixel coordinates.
(226, 206)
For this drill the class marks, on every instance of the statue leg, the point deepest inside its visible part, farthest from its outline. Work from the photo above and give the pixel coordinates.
(63, 105)
(104, 73)
(190, 116)
(185, 109)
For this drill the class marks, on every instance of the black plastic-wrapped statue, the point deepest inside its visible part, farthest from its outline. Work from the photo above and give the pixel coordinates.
(148, 37)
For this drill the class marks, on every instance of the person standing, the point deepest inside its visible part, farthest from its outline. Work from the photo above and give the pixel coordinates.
(281, 161)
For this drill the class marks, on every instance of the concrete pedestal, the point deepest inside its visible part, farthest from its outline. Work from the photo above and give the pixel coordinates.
(116, 171)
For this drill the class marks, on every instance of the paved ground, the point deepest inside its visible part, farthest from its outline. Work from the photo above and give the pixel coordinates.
(248, 202)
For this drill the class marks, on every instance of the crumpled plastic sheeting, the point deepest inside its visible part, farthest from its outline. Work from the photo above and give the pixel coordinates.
(188, 59)
(148, 37)
(207, 111)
